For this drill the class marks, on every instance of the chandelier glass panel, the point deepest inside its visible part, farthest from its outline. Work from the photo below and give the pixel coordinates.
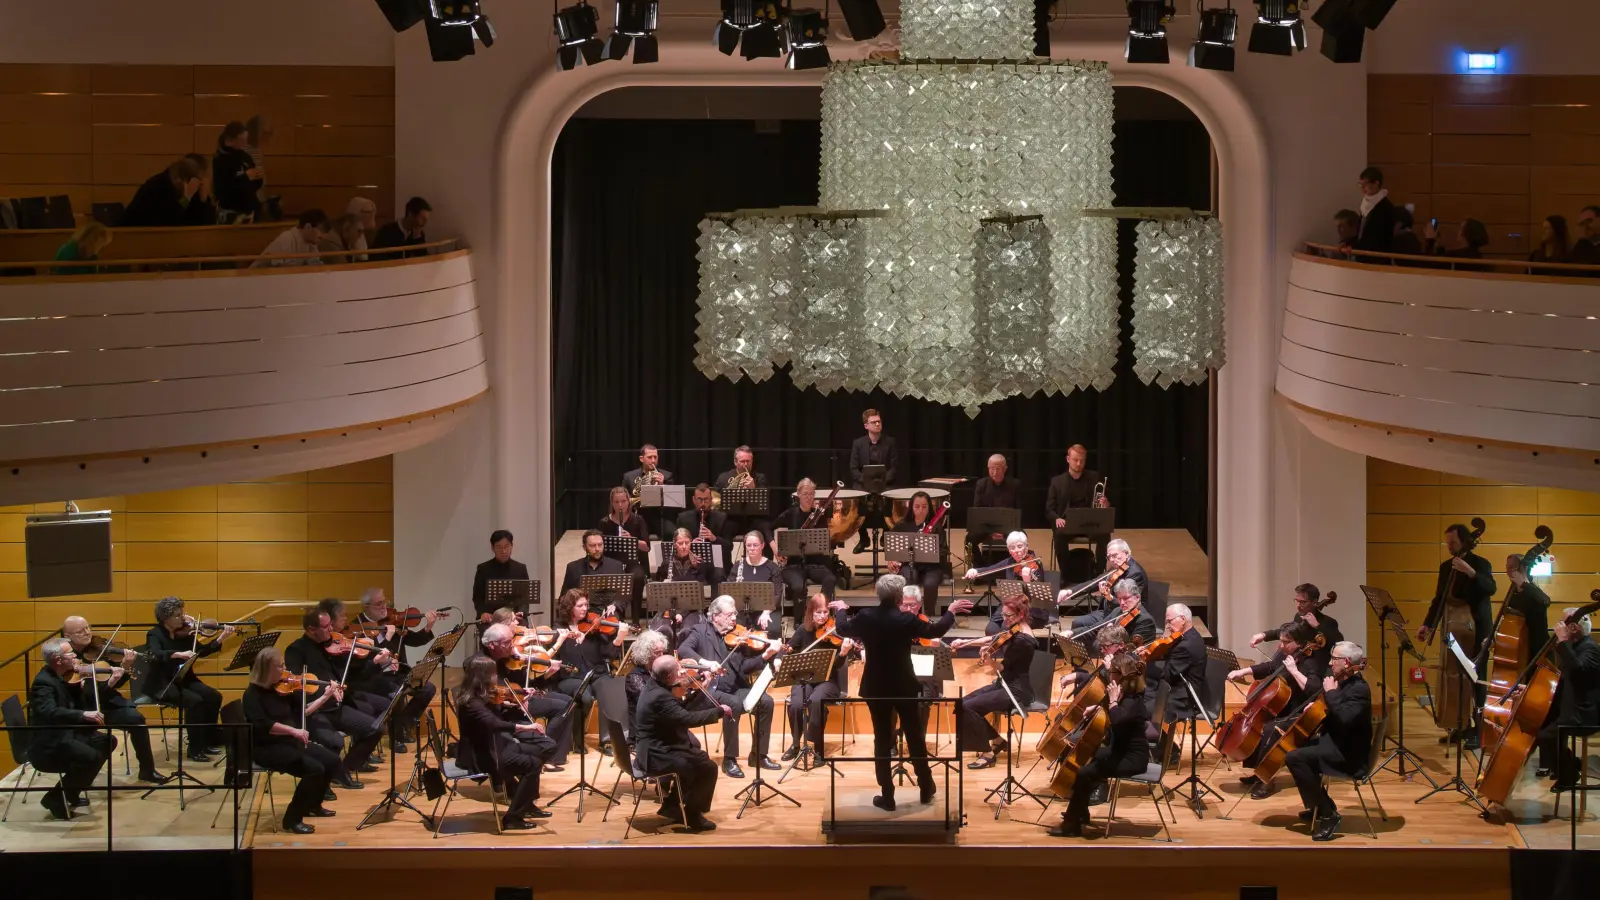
(951, 258)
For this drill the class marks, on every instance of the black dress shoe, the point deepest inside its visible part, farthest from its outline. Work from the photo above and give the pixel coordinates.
(1068, 828)
(552, 767)
(80, 802)
(1251, 779)
(1326, 826)
(197, 756)
(731, 769)
(1306, 815)
(1561, 787)
(329, 796)
(515, 823)
(397, 746)
(884, 803)
(348, 783)
(927, 793)
(699, 824)
(321, 812)
(1100, 794)
(765, 762)
(1543, 773)
(368, 768)
(535, 812)
(299, 828)
(861, 546)
(153, 777)
(673, 814)
(1262, 791)
(982, 762)
(56, 805)
(791, 753)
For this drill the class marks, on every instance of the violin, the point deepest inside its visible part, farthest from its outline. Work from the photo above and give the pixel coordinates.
(693, 677)
(1113, 576)
(291, 684)
(924, 642)
(100, 648)
(1002, 637)
(94, 672)
(342, 645)
(758, 642)
(411, 617)
(829, 631)
(1156, 649)
(1127, 618)
(594, 622)
(204, 631)
(540, 635)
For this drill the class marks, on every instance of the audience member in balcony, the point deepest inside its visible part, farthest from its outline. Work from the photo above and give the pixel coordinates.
(1347, 226)
(258, 134)
(1472, 236)
(409, 231)
(302, 238)
(366, 212)
(234, 171)
(1586, 249)
(1376, 232)
(85, 244)
(1553, 246)
(202, 207)
(1405, 239)
(344, 234)
(164, 198)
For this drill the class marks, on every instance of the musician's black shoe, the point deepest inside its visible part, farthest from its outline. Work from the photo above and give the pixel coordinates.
(397, 745)
(1262, 791)
(1561, 787)
(198, 756)
(56, 805)
(515, 823)
(1100, 794)
(349, 783)
(1472, 743)
(369, 767)
(1543, 773)
(1250, 780)
(884, 803)
(552, 767)
(535, 812)
(1068, 828)
(321, 812)
(299, 828)
(151, 776)
(1306, 815)
(791, 753)
(671, 812)
(698, 824)
(328, 795)
(861, 545)
(982, 762)
(764, 762)
(1326, 826)
(731, 769)
(927, 793)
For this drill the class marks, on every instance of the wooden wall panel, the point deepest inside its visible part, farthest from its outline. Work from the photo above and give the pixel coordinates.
(1506, 150)
(226, 549)
(136, 119)
(1408, 510)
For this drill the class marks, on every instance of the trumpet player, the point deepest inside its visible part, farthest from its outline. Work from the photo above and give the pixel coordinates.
(1079, 487)
(744, 475)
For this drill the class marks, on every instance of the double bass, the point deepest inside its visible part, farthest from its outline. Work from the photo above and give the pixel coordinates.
(1452, 690)
(1527, 715)
(1506, 655)
(1265, 702)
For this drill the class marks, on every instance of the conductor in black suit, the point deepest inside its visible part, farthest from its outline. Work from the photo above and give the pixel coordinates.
(872, 449)
(593, 562)
(707, 524)
(889, 683)
(76, 753)
(663, 743)
(502, 566)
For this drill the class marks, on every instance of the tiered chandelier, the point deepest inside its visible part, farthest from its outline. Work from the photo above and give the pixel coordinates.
(953, 257)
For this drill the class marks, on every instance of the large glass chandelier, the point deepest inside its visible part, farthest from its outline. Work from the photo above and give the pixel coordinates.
(951, 258)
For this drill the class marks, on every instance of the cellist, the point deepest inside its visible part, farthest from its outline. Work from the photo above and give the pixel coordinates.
(1577, 700)
(1300, 664)
(1529, 599)
(1307, 609)
(1125, 750)
(1344, 743)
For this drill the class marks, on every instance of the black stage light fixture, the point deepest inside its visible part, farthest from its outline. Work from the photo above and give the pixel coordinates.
(750, 26)
(576, 27)
(635, 25)
(863, 18)
(463, 13)
(1278, 29)
(1147, 31)
(1371, 12)
(453, 25)
(1213, 48)
(806, 31)
(1343, 35)
(403, 14)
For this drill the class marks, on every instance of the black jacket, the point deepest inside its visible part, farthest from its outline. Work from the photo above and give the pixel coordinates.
(581, 654)
(661, 725)
(1579, 689)
(1377, 228)
(580, 567)
(493, 569)
(1476, 591)
(159, 647)
(1349, 721)
(703, 642)
(1313, 667)
(885, 634)
(263, 707)
(416, 637)
(1534, 604)
(716, 520)
(51, 701)
(1185, 662)
(1143, 626)
(482, 727)
(1007, 495)
(863, 452)
(157, 203)
(1127, 736)
(1066, 493)
(393, 234)
(234, 189)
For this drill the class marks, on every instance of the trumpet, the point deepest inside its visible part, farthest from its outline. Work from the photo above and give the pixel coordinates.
(1099, 492)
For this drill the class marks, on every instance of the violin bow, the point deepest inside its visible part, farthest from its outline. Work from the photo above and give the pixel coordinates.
(107, 645)
(303, 701)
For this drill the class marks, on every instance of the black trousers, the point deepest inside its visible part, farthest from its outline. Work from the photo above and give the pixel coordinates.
(696, 772)
(761, 728)
(807, 712)
(1557, 754)
(927, 689)
(559, 715)
(582, 703)
(375, 693)
(313, 764)
(1308, 764)
(521, 761)
(201, 703)
(976, 732)
(130, 718)
(1269, 739)
(1062, 546)
(1097, 771)
(365, 732)
(77, 760)
(795, 577)
(909, 711)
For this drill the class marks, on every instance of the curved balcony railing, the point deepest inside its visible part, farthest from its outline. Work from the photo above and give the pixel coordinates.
(1486, 370)
(155, 379)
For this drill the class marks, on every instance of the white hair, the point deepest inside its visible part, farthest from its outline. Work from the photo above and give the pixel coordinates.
(912, 592)
(648, 645)
(1015, 536)
(891, 587)
(494, 634)
(1352, 652)
(1585, 627)
(1181, 610)
(1130, 587)
(369, 595)
(54, 648)
(1119, 545)
(721, 605)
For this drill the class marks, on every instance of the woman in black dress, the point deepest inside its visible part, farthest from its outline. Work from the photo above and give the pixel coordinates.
(281, 740)
(1124, 751)
(582, 655)
(1010, 663)
(929, 575)
(754, 566)
(807, 713)
(501, 739)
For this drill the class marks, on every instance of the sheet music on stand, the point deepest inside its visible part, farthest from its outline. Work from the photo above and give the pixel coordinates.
(797, 542)
(747, 501)
(809, 667)
(1388, 613)
(913, 547)
(752, 596)
(710, 550)
(252, 646)
(603, 589)
(622, 549)
(1041, 594)
(934, 662)
(443, 644)
(520, 594)
(1089, 522)
(1072, 651)
(682, 597)
(658, 496)
(1468, 669)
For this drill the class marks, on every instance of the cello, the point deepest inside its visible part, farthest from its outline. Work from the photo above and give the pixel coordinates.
(1302, 731)
(1058, 733)
(1267, 700)
(1526, 716)
(1079, 748)
(1505, 656)
(1452, 690)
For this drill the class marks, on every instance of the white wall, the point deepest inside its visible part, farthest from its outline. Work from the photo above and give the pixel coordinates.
(196, 32)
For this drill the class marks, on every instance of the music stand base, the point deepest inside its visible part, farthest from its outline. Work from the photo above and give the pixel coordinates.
(752, 794)
(1198, 788)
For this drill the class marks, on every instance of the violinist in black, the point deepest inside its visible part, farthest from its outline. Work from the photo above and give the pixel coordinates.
(928, 575)
(1125, 749)
(117, 709)
(1023, 565)
(705, 644)
(1345, 741)
(807, 714)
(1301, 663)
(168, 646)
(1306, 599)
(1130, 601)
(664, 743)
(584, 656)
(1473, 585)
(77, 753)
(1184, 668)
(279, 742)
(498, 738)
(375, 679)
(813, 567)
(1009, 654)
(353, 713)
(541, 701)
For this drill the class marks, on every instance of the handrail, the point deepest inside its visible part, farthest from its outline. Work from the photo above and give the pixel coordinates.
(1322, 251)
(383, 254)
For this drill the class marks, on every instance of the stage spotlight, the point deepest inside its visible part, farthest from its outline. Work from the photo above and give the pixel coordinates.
(1278, 29)
(1147, 31)
(636, 25)
(1343, 35)
(1213, 48)
(403, 14)
(453, 26)
(576, 27)
(807, 33)
(863, 18)
(465, 13)
(750, 26)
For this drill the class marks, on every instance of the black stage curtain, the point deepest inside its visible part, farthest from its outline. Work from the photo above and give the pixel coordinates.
(629, 195)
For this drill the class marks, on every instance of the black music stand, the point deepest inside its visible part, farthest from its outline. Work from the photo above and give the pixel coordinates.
(181, 775)
(810, 667)
(1011, 787)
(604, 590)
(1041, 596)
(1198, 788)
(745, 501)
(1392, 621)
(796, 544)
(666, 598)
(420, 673)
(250, 648)
(1071, 650)
(918, 550)
(1091, 523)
(1456, 782)
(583, 784)
(441, 648)
(520, 594)
(624, 550)
(707, 550)
(753, 596)
(940, 665)
(985, 521)
(661, 497)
